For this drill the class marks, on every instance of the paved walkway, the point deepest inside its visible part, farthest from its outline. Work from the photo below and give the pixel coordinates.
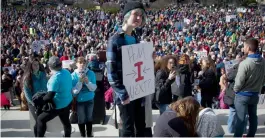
(16, 123)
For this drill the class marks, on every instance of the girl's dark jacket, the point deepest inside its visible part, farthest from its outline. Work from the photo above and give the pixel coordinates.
(163, 94)
(208, 85)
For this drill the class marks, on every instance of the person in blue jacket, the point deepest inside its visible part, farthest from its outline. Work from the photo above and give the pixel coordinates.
(84, 86)
(60, 93)
(34, 81)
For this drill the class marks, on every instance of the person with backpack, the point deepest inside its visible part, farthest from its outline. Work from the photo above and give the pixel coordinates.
(229, 97)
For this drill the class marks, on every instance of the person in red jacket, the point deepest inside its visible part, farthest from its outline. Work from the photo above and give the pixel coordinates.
(65, 56)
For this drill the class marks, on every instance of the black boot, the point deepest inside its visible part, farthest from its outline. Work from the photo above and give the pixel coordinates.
(89, 129)
(35, 130)
(82, 130)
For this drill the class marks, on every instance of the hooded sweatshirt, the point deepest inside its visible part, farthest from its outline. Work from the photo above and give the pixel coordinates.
(84, 91)
(250, 77)
(208, 124)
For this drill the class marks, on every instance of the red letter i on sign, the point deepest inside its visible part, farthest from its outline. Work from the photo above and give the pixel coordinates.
(138, 65)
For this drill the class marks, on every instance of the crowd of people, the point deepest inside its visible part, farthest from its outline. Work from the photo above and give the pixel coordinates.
(205, 57)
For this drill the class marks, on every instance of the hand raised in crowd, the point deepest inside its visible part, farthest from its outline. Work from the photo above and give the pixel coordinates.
(172, 75)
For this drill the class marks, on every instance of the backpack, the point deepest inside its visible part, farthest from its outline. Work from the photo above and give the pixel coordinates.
(229, 94)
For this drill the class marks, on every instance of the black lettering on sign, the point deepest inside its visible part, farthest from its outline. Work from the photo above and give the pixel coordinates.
(136, 90)
(130, 53)
(135, 54)
(131, 93)
(141, 53)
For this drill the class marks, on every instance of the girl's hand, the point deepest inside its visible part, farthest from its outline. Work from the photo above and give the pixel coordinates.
(85, 80)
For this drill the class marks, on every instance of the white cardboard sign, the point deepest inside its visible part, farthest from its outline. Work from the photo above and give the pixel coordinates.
(201, 54)
(9, 69)
(138, 70)
(66, 63)
(187, 21)
(229, 17)
(38, 45)
(243, 10)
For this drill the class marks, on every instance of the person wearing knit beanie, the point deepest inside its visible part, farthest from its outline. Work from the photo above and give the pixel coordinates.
(134, 16)
(131, 6)
(132, 113)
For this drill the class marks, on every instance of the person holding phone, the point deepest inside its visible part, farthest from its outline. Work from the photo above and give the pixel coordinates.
(184, 78)
(165, 76)
(84, 86)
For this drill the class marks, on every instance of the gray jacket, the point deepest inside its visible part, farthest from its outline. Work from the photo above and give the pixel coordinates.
(250, 76)
(208, 124)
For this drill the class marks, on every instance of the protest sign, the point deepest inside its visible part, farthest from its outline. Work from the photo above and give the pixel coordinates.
(230, 65)
(232, 16)
(31, 31)
(201, 54)
(38, 45)
(180, 33)
(102, 15)
(243, 10)
(229, 17)
(98, 7)
(9, 69)
(66, 63)
(187, 21)
(138, 70)
(90, 55)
